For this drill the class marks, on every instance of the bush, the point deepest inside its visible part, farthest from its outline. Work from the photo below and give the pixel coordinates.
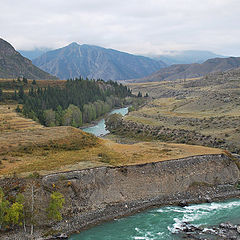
(55, 206)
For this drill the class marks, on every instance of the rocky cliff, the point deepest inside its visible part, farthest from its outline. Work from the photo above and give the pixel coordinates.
(99, 194)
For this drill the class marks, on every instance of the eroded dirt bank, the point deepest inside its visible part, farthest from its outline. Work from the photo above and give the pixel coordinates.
(104, 193)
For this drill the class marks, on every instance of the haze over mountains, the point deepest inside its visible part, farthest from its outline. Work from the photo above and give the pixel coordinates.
(95, 62)
(186, 57)
(13, 64)
(32, 54)
(183, 71)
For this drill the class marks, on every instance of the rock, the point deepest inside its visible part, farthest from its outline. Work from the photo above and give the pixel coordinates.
(228, 226)
(57, 236)
(208, 199)
(223, 230)
(182, 204)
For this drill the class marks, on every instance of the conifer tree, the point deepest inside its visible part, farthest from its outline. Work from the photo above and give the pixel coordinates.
(1, 94)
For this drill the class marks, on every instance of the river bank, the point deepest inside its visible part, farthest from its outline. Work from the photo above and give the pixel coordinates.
(106, 193)
(205, 221)
(91, 220)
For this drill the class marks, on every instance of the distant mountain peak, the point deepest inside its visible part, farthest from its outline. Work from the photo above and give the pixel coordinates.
(73, 44)
(91, 61)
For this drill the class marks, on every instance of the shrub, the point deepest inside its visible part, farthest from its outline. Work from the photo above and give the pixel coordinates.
(55, 206)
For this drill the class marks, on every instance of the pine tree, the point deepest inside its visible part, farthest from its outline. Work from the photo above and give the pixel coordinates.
(139, 94)
(21, 93)
(25, 81)
(1, 94)
(92, 98)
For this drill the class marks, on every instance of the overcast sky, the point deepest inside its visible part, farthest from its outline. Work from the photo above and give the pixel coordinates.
(134, 26)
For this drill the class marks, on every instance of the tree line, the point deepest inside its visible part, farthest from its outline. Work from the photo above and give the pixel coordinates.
(79, 101)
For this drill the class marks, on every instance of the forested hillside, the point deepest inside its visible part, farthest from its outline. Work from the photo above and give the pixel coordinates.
(78, 101)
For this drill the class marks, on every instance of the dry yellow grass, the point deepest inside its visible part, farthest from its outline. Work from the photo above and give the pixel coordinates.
(11, 121)
(145, 152)
(29, 147)
(106, 152)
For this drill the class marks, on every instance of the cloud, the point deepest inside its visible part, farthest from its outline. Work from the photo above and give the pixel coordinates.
(136, 26)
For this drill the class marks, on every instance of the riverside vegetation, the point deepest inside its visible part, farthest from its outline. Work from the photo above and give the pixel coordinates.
(18, 211)
(76, 102)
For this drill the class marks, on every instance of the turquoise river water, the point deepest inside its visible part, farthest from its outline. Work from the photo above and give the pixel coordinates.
(100, 128)
(163, 223)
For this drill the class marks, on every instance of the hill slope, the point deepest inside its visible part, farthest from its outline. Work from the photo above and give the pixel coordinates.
(13, 64)
(95, 62)
(202, 111)
(183, 71)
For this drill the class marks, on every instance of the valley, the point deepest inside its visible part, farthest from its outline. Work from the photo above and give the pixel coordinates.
(207, 107)
(178, 144)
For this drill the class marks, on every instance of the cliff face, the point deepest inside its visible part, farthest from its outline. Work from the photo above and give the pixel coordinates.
(104, 193)
(107, 192)
(98, 187)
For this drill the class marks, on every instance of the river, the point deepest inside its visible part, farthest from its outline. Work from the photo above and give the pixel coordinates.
(100, 128)
(163, 223)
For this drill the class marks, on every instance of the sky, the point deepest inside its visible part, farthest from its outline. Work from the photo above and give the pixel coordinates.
(134, 26)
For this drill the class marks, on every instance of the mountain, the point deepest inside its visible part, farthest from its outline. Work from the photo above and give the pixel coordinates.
(32, 54)
(95, 62)
(186, 57)
(183, 71)
(13, 64)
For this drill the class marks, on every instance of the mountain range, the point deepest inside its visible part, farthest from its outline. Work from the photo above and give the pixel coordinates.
(186, 57)
(183, 71)
(13, 64)
(96, 62)
(32, 54)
